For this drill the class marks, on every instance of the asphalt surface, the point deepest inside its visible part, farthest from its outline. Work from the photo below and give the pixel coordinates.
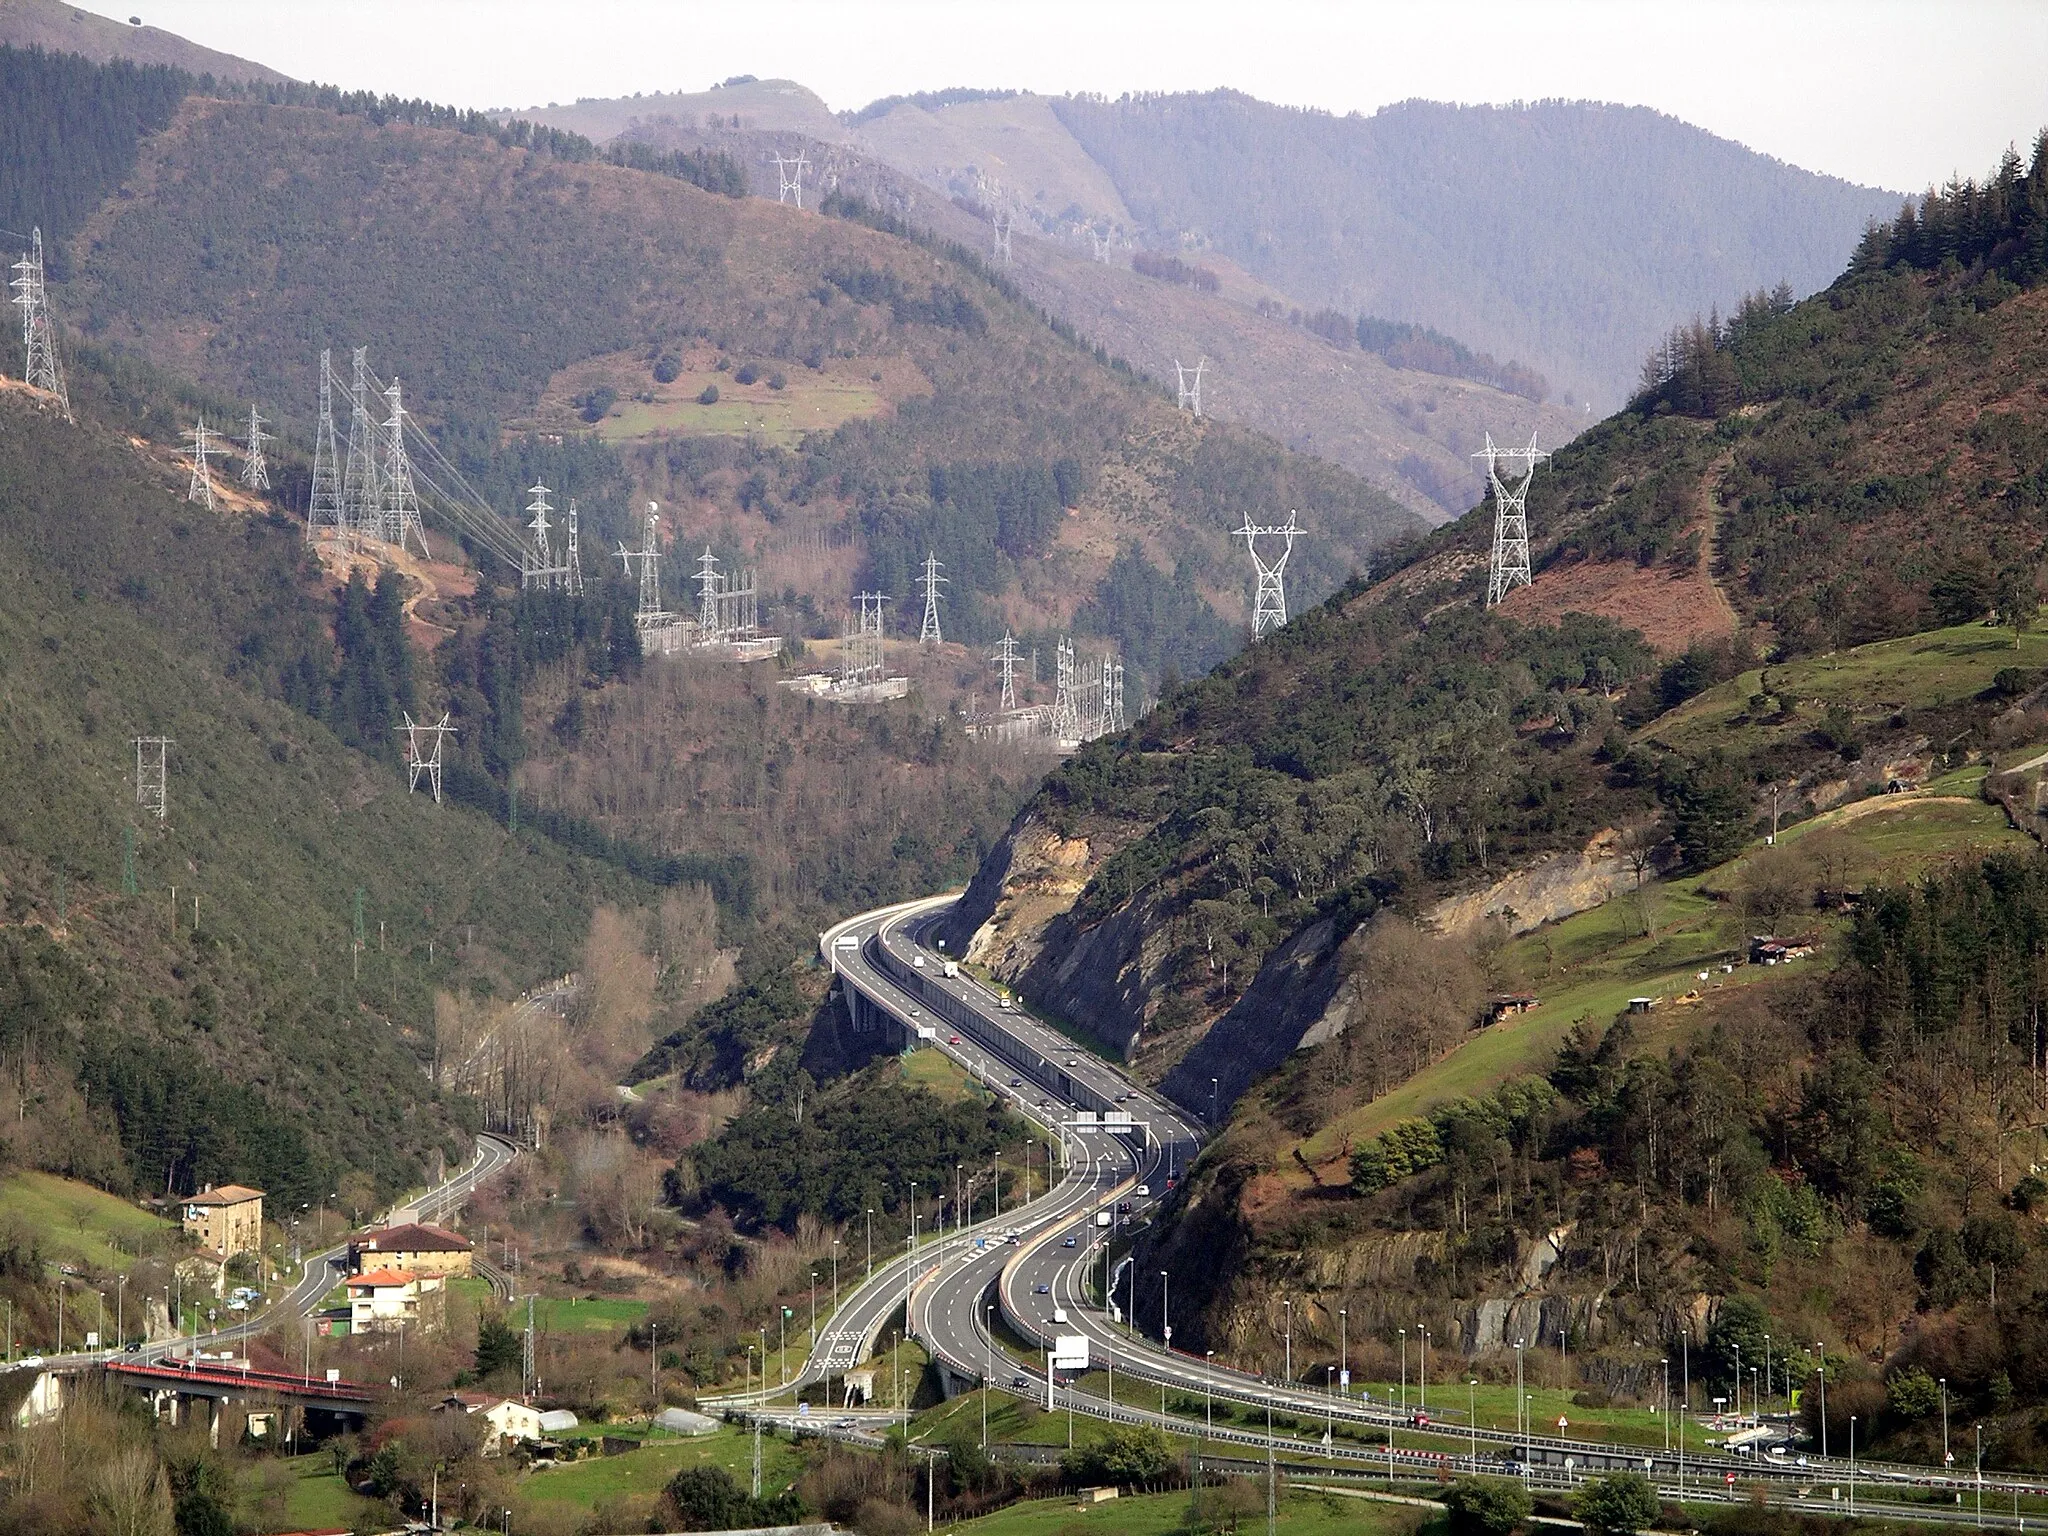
(1061, 1086)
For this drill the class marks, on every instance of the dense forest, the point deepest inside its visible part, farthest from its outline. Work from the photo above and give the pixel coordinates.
(1373, 213)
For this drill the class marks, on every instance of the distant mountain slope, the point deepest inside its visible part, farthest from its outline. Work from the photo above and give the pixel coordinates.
(1566, 234)
(59, 28)
(490, 277)
(1408, 430)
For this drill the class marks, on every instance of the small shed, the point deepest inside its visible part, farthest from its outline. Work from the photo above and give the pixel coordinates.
(555, 1420)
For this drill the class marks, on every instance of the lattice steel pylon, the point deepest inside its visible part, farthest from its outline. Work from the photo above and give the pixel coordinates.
(931, 581)
(41, 368)
(1066, 708)
(1510, 566)
(1100, 243)
(649, 559)
(538, 569)
(572, 557)
(362, 508)
(200, 440)
(791, 175)
(1006, 658)
(1110, 698)
(418, 762)
(709, 630)
(1191, 385)
(323, 511)
(401, 499)
(255, 467)
(152, 775)
(1269, 600)
(1004, 223)
(864, 661)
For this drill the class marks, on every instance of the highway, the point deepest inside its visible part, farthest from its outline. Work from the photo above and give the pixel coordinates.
(954, 1288)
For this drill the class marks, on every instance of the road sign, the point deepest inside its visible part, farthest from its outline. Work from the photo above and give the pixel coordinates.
(1070, 1352)
(1117, 1120)
(1086, 1119)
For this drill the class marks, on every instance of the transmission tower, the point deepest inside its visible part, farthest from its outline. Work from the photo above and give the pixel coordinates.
(1066, 709)
(200, 488)
(1191, 385)
(931, 581)
(1510, 567)
(324, 511)
(418, 762)
(42, 370)
(255, 468)
(401, 496)
(1101, 244)
(650, 613)
(1004, 223)
(708, 587)
(1269, 604)
(572, 557)
(791, 172)
(538, 569)
(361, 504)
(1006, 658)
(1110, 698)
(152, 775)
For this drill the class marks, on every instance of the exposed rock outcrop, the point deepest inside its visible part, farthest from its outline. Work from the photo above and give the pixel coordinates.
(1290, 1003)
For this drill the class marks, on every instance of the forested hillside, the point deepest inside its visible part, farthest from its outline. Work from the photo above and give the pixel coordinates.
(260, 1005)
(512, 286)
(1460, 907)
(1400, 215)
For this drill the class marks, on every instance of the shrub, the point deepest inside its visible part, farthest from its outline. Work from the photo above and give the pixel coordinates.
(1617, 1505)
(1487, 1506)
(776, 380)
(596, 403)
(668, 368)
(746, 374)
(1912, 1394)
(710, 395)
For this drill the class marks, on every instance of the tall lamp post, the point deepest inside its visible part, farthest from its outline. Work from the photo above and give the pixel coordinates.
(1820, 1369)
(1344, 1351)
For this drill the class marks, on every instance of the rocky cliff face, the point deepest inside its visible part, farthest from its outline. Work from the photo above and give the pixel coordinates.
(1292, 1002)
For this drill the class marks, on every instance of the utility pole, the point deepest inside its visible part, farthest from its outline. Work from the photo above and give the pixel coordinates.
(1190, 384)
(791, 172)
(538, 568)
(650, 614)
(255, 467)
(931, 581)
(152, 776)
(709, 586)
(1510, 567)
(1066, 709)
(324, 510)
(1269, 599)
(41, 370)
(200, 488)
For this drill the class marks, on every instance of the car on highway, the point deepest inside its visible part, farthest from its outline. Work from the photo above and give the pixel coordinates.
(952, 1039)
(1016, 1082)
(1073, 1061)
(1145, 1191)
(1069, 1242)
(1041, 1290)
(1018, 1384)
(1123, 1207)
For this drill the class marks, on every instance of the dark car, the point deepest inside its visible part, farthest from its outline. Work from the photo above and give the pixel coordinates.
(1041, 1290)
(1018, 1384)
(1068, 1243)
(1016, 1082)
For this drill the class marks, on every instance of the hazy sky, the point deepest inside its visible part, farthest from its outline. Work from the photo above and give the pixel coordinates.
(1896, 93)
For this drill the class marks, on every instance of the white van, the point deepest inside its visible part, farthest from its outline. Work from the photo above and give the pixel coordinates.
(1059, 1315)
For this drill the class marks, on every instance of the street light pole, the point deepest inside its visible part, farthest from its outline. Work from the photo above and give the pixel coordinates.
(870, 1213)
(1666, 1363)
(1852, 1466)
(1404, 1370)
(1946, 1459)
(1288, 1303)
(1821, 1369)
(1344, 1351)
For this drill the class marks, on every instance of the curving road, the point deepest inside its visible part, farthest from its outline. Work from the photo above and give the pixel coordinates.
(896, 979)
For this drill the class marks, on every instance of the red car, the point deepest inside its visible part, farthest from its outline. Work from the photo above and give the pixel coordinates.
(952, 1039)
